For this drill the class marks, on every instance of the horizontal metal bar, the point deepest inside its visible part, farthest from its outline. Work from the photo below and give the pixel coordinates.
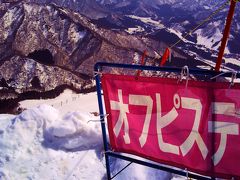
(157, 166)
(99, 65)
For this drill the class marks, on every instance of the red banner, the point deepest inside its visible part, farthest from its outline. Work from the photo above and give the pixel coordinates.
(194, 126)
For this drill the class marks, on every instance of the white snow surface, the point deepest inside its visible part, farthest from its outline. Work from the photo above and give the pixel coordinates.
(135, 30)
(40, 144)
(60, 142)
(148, 20)
(67, 102)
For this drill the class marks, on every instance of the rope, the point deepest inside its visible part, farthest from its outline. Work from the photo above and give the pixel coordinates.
(203, 22)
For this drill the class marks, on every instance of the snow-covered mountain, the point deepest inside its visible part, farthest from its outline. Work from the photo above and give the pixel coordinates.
(170, 20)
(183, 15)
(44, 38)
(56, 46)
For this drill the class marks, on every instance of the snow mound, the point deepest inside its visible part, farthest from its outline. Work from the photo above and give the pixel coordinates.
(35, 145)
(74, 132)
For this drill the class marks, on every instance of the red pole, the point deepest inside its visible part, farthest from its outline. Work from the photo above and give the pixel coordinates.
(225, 34)
(142, 62)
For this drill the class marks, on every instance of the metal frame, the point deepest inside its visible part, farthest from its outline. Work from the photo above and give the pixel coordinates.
(108, 153)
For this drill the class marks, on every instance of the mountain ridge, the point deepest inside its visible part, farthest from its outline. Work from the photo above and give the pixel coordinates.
(72, 43)
(114, 31)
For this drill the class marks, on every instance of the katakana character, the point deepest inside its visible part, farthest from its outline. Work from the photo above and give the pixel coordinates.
(163, 121)
(122, 118)
(141, 100)
(224, 128)
(193, 104)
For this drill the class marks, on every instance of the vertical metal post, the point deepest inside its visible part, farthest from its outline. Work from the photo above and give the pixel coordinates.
(225, 34)
(100, 104)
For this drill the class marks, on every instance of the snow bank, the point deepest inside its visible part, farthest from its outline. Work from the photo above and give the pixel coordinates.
(74, 132)
(36, 144)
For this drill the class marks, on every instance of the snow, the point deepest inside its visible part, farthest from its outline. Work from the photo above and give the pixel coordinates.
(232, 61)
(208, 42)
(28, 8)
(211, 64)
(6, 21)
(37, 144)
(206, 7)
(135, 30)
(204, 67)
(179, 34)
(185, 22)
(140, 172)
(74, 34)
(67, 102)
(62, 141)
(148, 20)
(136, 58)
(8, 17)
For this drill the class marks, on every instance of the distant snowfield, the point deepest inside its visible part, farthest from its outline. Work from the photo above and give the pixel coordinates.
(135, 30)
(53, 139)
(232, 61)
(66, 102)
(209, 42)
(148, 20)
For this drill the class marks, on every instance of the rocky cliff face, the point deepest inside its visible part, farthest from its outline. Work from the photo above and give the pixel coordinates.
(24, 74)
(56, 45)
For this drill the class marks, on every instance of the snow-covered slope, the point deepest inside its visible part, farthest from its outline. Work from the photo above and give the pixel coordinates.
(67, 102)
